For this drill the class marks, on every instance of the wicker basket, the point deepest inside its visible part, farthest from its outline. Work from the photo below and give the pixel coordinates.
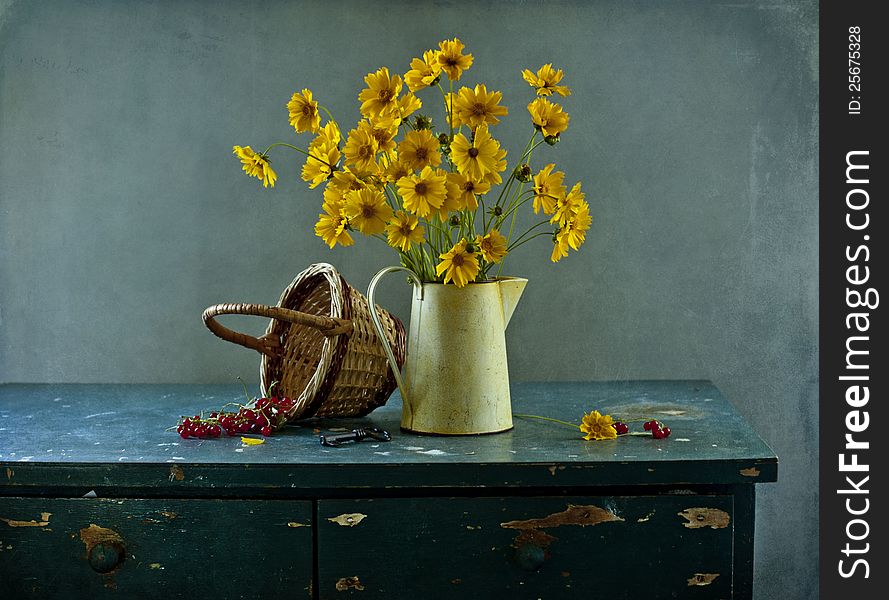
(320, 346)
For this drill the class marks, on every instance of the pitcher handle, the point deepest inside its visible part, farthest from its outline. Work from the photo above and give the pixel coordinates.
(378, 327)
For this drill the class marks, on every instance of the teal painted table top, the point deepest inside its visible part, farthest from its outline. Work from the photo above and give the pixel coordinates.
(117, 436)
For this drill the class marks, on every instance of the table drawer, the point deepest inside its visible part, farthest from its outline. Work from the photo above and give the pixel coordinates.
(539, 547)
(159, 548)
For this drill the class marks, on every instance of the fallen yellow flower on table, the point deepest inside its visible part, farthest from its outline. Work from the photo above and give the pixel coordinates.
(251, 441)
(597, 426)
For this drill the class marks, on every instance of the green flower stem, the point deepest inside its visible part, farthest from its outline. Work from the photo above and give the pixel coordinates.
(574, 425)
(292, 147)
(519, 243)
(324, 108)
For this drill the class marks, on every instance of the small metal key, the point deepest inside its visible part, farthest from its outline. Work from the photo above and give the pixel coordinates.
(356, 435)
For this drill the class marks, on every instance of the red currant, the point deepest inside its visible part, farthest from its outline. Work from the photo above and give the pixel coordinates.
(621, 427)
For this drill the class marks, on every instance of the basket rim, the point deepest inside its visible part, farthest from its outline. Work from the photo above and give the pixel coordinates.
(310, 276)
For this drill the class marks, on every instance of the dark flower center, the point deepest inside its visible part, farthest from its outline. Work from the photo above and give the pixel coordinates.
(422, 153)
(420, 188)
(473, 152)
(367, 211)
(457, 261)
(307, 110)
(385, 95)
(479, 109)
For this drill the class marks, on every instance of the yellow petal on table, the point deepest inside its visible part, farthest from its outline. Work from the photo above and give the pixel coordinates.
(251, 441)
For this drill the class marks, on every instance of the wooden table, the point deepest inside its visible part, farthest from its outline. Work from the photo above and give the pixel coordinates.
(97, 500)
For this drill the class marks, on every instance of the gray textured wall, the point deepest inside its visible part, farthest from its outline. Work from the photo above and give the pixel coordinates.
(694, 129)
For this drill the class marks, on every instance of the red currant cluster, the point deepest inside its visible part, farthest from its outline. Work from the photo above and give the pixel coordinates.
(263, 416)
(658, 430)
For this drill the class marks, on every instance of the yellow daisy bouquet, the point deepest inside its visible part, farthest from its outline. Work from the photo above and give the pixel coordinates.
(428, 191)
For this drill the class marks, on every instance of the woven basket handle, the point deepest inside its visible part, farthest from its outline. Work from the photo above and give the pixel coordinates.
(269, 344)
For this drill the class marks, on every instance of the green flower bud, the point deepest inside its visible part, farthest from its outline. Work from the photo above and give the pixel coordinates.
(454, 221)
(471, 248)
(422, 122)
(552, 140)
(523, 173)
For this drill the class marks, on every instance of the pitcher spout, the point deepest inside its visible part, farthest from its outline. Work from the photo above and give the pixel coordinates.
(511, 289)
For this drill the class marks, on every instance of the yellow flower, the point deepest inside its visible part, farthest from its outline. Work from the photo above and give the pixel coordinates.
(478, 159)
(361, 149)
(327, 135)
(451, 201)
(598, 427)
(493, 178)
(249, 441)
(303, 112)
(347, 180)
(477, 106)
(450, 102)
(383, 134)
(458, 265)
(404, 230)
(548, 188)
(451, 58)
(548, 117)
(320, 164)
(331, 227)
(568, 205)
(256, 165)
(424, 71)
(408, 105)
(334, 201)
(367, 211)
(545, 80)
(381, 94)
(574, 231)
(560, 248)
(492, 246)
(466, 189)
(396, 169)
(424, 192)
(419, 149)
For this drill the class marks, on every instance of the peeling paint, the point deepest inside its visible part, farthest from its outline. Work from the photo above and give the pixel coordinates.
(43, 522)
(352, 582)
(295, 524)
(645, 518)
(705, 517)
(9, 473)
(156, 566)
(582, 515)
(347, 519)
(702, 579)
(92, 535)
(751, 472)
(176, 473)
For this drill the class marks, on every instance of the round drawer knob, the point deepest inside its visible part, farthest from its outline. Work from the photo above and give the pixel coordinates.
(106, 556)
(530, 557)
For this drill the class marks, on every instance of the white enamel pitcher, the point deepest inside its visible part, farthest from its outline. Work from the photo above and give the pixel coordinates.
(456, 380)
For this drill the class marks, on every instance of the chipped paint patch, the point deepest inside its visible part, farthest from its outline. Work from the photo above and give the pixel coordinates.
(295, 524)
(751, 472)
(43, 522)
(176, 473)
(9, 473)
(645, 518)
(702, 579)
(414, 448)
(582, 515)
(347, 519)
(683, 440)
(346, 583)
(705, 517)
(156, 566)
(433, 452)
